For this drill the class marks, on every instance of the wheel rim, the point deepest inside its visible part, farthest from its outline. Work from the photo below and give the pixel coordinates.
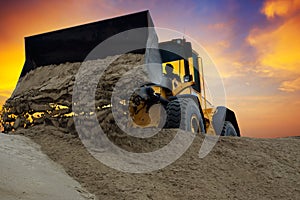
(195, 125)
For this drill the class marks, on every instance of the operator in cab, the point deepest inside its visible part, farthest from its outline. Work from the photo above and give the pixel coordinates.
(173, 77)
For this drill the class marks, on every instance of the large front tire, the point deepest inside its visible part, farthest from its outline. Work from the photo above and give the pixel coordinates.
(184, 113)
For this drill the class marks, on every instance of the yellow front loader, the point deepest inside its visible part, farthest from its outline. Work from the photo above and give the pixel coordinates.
(181, 94)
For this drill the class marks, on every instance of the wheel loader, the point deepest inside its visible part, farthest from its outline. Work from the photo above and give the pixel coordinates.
(177, 101)
(181, 95)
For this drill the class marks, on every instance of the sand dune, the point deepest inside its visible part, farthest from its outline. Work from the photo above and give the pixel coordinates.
(237, 168)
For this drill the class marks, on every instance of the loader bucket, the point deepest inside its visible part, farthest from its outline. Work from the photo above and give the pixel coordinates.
(75, 43)
(55, 58)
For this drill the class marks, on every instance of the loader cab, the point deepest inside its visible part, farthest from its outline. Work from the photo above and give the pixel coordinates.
(184, 60)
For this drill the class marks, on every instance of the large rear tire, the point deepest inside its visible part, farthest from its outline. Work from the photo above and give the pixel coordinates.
(184, 113)
(228, 129)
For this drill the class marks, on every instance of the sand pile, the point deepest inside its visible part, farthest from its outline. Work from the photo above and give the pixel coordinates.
(237, 168)
(44, 95)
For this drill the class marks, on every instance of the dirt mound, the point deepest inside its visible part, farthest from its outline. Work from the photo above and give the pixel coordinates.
(44, 95)
(237, 168)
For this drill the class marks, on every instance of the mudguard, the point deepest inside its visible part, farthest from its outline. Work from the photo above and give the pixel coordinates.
(221, 115)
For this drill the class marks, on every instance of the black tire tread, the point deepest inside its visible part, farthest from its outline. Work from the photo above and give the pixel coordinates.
(173, 114)
(174, 110)
(225, 127)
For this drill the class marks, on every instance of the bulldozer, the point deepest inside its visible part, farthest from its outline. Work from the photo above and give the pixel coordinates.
(178, 100)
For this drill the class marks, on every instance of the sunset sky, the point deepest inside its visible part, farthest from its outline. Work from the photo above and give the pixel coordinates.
(255, 45)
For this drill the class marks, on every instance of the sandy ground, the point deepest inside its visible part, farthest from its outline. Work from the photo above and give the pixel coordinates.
(28, 174)
(237, 168)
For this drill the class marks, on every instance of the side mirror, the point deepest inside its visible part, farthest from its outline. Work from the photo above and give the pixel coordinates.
(188, 78)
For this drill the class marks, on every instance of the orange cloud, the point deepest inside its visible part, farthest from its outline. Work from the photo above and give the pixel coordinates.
(278, 45)
(279, 48)
(272, 8)
(290, 86)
